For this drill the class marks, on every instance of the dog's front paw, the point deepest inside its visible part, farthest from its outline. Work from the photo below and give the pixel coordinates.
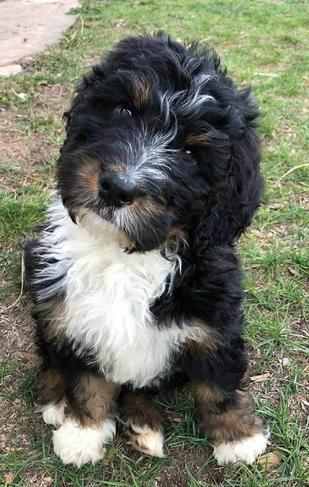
(246, 450)
(53, 413)
(78, 445)
(147, 440)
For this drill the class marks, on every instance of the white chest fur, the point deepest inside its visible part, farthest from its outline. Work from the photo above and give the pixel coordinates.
(108, 295)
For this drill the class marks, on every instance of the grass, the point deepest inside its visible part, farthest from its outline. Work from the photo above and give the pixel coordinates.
(263, 43)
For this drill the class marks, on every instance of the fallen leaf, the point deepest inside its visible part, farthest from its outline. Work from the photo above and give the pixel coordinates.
(292, 271)
(270, 460)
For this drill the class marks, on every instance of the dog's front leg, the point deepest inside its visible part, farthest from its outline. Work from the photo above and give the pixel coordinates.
(141, 422)
(89, 422)
(225, 406)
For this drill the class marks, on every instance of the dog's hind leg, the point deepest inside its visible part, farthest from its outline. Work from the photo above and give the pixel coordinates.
(89, 423)
(141, 422)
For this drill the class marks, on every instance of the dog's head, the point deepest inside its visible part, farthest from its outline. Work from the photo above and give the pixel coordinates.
(161, 143)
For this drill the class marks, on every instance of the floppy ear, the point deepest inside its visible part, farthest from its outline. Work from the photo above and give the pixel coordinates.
(231, 169)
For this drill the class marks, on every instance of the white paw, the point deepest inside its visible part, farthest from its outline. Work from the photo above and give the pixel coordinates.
(54, 413)
(246, 450)
(147, 440)
(76, 444)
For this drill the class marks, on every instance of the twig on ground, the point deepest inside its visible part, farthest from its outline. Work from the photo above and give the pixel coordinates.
(289, 172)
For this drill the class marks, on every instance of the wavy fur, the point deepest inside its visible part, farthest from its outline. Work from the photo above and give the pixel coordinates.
(142, 295)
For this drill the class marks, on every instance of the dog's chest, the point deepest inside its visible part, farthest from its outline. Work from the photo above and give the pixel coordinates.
(108, 299)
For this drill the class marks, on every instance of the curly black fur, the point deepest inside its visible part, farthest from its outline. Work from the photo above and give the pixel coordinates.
(215, 190)
(172, 119)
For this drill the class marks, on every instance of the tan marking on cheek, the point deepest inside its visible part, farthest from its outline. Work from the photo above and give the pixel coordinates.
(197, 139)
(88, 175)
(143, 205)
(125, 242)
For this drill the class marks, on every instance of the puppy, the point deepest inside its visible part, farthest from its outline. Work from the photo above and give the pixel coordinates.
(135, 281)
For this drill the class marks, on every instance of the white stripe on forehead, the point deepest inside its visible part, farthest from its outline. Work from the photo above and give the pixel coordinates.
(185, 102)
(147, 155)
(156, 154)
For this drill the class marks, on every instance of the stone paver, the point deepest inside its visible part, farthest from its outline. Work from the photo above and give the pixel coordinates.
(28, 27)
(10, 69)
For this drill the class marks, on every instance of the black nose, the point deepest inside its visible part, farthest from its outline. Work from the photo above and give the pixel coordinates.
(116, 190)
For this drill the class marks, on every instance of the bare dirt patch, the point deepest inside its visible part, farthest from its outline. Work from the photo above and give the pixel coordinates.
(176, 475)
(17, 335)
(15, 416)
(17, 354)
(53, 99)
(24, 151)
(20, 154)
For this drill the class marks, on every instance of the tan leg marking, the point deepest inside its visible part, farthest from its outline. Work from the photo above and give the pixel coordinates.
(229, 420)
(90, 423)
(142, 423)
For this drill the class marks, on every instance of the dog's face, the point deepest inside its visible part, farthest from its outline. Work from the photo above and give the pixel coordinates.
(142, 150)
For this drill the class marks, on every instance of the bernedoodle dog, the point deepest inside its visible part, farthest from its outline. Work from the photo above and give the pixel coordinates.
(134, 277)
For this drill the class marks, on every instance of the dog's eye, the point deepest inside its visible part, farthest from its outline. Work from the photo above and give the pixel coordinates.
(191, 157)
(123, 110)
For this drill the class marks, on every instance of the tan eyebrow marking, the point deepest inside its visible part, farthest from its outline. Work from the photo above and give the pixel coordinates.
(198, 139)
(141, 90)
